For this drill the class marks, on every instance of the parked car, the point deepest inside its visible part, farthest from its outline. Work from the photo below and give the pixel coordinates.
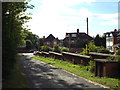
(35, 52)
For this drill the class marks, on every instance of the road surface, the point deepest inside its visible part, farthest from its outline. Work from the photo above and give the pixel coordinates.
(42, 75)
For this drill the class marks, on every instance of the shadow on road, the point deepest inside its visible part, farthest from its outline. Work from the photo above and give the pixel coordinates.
(41, 75)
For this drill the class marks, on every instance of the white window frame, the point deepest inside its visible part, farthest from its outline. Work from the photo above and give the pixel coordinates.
(74, 35)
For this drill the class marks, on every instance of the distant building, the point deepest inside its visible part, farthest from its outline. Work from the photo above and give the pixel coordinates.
(112, 40)
(50, 41)
(77, 35)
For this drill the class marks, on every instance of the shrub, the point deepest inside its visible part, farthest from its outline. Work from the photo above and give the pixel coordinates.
(110, 58)
(116, 58)
(118, 52)
(45, 48)
(92, 48)
(64, 49)
(103, 50)
(91, 66)
(84, 52)
(56, 48)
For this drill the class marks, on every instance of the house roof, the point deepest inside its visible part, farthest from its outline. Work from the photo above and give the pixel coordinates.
(50, 38)
(80, 35)
(113, 32)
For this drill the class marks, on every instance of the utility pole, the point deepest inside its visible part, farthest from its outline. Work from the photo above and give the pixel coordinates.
(87, 34)
(69, 41)
(87, 25)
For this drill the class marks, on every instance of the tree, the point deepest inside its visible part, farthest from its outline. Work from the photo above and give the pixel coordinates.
(41, 41)
(56, 48)
(13, 17)
(100, 41)
(65, 43)
(80, 43)
(29, 44)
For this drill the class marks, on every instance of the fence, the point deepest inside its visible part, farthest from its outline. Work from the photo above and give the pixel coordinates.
(103, 67)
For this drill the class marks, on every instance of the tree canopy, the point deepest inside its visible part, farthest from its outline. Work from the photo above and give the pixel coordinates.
(13, 18)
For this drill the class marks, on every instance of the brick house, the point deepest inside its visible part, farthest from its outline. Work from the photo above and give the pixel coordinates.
(77, 35)
(112, 40)
(50, 41)
(73, 36)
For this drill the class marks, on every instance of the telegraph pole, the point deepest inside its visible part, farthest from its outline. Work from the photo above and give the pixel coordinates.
(87, 34)
(87, 25)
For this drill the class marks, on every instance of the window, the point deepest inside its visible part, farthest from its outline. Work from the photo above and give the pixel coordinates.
(73, 35)
(72, 41)
(55, 42)
(48, 43)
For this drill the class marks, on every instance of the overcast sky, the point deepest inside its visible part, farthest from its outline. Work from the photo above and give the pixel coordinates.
(60, 16)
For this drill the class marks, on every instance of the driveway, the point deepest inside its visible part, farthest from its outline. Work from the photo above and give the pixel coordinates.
(42, 75)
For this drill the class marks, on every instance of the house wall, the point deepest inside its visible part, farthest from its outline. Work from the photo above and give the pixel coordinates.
(55, 41)
(51, 43)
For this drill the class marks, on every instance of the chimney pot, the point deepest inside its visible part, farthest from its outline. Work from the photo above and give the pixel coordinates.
(77, 30)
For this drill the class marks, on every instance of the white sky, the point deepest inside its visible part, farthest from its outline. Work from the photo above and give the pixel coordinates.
(60, 16)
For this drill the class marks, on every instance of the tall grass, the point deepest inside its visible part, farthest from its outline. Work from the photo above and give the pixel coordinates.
(81, 71)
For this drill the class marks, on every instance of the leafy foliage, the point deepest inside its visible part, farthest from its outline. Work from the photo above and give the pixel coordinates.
(13, 18)
(92, 48)
(91, 66)
(115, 58)
(100, 41)
(103, 50)
(64, 49)
(56, 48)
(118, 52)
(80, 43)
(85, 51)
(65, 43)
(45, 48)
(33, 38)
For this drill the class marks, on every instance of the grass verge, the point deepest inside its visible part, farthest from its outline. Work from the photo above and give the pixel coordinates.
(81, 71)
(17, 79)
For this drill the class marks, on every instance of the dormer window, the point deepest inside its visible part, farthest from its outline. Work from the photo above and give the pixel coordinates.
(73, 35)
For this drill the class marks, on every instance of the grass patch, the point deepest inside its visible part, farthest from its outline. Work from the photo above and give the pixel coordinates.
(17, 79)
(81, 71)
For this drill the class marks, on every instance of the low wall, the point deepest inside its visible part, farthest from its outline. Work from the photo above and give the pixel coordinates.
(45, 54)
(104, 67)
(95, 55)
(55, 55)
(76, 59)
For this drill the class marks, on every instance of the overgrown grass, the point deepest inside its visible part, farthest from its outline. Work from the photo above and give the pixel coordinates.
(81, 71)
(17, 79)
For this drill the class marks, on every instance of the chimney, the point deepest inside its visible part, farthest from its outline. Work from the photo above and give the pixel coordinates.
(43, 37)
(87, 25)
(77, 31)
(115, 30)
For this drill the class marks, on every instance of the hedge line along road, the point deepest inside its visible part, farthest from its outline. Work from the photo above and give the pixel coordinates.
(42, 75)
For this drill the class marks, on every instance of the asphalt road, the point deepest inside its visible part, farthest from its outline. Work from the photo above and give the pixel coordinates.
(42, 75)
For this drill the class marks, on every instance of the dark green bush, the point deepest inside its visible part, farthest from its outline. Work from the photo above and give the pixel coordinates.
(56, 48)
(92, 48)
(118, 52)
(64, 49)
(45, 48)
(91, 66)
(103, 50)
(116, 58)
